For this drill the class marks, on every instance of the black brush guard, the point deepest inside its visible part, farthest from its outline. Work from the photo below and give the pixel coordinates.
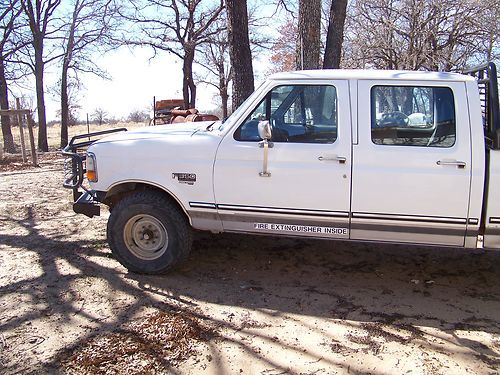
(75, 169)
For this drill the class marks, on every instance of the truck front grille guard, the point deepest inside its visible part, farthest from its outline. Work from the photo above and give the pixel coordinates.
(74, 170)
(487, 80)
(74, 162)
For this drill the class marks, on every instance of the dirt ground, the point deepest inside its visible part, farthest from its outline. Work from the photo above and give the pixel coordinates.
(240, 305)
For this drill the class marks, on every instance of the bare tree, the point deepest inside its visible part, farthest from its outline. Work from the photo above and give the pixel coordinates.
(99, 115)
(420, 34)
(138, 116)
(9, 13)
(41, 18)
(335, 34)
(309, 34)
(178, 27)
(239, 51)
(90, 25)
(490, 44)
(214, 58)
(284, 48)
(73, 113)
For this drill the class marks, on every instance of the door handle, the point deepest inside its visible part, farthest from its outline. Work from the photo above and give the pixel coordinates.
(340, 159)
(457, 163)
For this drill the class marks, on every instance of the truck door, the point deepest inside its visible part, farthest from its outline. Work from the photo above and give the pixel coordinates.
(412, 163)
(307, 190)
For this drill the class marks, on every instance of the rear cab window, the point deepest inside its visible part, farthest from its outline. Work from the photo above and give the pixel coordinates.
(413, 116)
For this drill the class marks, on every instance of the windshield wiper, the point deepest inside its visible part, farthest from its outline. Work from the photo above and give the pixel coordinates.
(210, 127)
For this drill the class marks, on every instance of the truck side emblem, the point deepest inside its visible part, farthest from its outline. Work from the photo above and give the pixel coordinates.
(185, 178)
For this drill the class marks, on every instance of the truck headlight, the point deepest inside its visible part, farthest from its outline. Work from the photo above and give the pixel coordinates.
(91, 166)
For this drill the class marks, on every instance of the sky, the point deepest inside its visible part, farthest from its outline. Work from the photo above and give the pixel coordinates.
(136, 78)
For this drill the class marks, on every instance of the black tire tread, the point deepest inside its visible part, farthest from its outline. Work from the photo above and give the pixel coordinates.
(158, 201)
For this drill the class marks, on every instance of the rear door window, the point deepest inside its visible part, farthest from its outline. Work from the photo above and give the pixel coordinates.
(413, 116)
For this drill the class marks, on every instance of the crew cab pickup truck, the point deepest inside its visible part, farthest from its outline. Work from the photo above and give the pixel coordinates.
(383, 156)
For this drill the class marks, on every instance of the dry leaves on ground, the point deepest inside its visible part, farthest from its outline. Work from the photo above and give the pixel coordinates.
(146, 345)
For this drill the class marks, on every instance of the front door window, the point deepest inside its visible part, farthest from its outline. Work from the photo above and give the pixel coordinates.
(298, 114)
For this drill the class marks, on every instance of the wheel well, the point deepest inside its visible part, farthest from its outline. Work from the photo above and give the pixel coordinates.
(118, 192)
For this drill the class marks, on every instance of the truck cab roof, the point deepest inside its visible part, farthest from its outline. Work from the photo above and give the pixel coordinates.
(355, 74)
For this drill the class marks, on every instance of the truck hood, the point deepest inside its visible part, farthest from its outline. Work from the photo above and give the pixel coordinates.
(170, 130)
(155, 154)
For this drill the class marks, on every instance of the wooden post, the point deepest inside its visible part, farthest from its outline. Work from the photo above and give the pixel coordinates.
(154, 110)
(21, 132)
(88, 126)
(34, 157)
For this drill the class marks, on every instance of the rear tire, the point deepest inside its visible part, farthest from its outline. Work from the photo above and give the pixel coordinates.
(148, 234)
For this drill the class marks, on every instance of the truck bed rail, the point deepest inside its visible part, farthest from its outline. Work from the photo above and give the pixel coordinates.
(487, 81)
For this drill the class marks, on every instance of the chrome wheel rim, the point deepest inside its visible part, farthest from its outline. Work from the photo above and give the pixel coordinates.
(146, 237)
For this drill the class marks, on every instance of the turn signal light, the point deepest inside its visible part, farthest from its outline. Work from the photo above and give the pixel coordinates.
(92, 176)
(91, 165)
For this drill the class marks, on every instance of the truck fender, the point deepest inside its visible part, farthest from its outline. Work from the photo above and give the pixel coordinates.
(122, 187)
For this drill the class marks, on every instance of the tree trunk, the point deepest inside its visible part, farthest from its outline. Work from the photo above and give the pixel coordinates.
(8, 140)
(64, 104)
(192, 91)
(223, 94)
(188, 85)
(185, 88)
(225, 99)
(70, 45)
(335, 35)
(308, 36)
(39, 15)
(40, 96)
(42, 119)
(239, 51)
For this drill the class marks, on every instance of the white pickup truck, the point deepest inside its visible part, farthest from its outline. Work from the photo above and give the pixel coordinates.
(383, 156)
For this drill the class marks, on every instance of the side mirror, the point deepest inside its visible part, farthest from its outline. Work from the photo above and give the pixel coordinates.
(264, 129)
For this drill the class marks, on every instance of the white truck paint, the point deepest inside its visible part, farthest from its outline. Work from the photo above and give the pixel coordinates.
(356, 155)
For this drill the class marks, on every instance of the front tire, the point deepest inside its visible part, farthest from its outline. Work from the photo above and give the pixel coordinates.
(148, 234)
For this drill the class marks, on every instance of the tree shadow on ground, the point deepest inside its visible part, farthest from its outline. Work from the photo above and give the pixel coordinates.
(448, 289)
(341, 280)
